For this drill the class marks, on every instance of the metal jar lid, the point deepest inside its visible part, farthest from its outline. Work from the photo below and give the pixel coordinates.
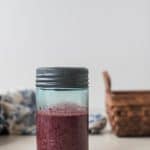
(62, 77)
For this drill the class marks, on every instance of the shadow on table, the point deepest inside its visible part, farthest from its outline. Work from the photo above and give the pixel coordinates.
(4, 140)
(104, 132)
(109, 132)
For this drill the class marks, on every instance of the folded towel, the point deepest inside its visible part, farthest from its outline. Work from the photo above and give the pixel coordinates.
(17, 112)
(97, 123)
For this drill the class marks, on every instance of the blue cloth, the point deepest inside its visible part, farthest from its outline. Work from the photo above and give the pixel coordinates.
(17, 112)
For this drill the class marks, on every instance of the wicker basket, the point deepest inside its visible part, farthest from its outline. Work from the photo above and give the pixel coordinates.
(128, 111)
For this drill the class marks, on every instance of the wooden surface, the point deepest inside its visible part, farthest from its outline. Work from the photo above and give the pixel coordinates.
(106, 141)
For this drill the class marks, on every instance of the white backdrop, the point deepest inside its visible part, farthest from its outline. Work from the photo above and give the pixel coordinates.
(98, 34)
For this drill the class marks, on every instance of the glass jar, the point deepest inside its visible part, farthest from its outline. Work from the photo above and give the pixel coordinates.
(62, 108)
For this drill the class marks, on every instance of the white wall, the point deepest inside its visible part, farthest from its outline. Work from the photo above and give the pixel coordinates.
(99, 34)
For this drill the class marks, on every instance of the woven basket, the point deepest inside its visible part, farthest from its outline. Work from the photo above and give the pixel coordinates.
(128, 111)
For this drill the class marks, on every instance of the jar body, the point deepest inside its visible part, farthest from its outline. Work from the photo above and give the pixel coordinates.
(62, 118)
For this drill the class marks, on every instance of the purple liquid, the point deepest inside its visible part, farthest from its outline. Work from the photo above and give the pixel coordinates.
(62, 128)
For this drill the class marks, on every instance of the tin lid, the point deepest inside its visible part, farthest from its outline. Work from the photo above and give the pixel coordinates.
(62, 77)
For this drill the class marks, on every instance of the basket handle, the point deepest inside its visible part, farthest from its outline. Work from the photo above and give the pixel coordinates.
(107, 81)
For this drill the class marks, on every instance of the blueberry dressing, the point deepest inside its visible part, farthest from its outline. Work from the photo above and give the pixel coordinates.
(62, 128)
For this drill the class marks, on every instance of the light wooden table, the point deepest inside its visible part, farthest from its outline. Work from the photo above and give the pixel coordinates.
(106, 141)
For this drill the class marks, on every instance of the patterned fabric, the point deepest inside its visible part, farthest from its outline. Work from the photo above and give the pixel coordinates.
(97, 123)
(17, 113)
